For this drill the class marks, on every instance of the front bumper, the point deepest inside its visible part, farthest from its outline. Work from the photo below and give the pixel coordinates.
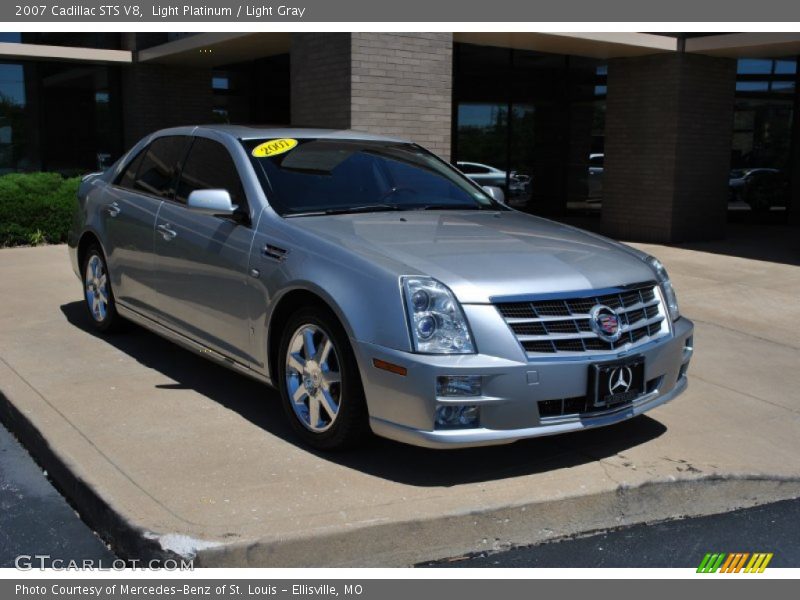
(403, 407)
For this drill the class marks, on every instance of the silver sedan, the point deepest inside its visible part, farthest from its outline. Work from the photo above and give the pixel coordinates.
(376, 287)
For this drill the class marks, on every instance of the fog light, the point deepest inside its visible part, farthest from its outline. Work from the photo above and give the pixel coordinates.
(457, 416)
(458, 385)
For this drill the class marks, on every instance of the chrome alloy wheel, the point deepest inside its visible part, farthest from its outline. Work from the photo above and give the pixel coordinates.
(96, 282)
(313, 378)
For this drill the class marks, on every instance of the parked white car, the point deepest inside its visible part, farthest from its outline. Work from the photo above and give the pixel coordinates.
(483, 174)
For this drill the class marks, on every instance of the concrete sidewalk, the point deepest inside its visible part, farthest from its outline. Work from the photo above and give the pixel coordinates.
(164, 452)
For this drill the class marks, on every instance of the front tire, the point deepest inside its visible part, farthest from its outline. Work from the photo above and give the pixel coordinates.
(97, 293)
(319, 381)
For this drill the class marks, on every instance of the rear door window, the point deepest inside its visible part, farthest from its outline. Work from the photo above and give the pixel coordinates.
(127, 178)
(158, 173)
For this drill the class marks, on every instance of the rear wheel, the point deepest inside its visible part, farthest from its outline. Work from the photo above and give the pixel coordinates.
(97, 293)
(319, 382)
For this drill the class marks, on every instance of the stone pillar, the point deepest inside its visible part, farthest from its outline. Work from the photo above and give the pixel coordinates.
(669, 120)
(794, 160)
(396, 84)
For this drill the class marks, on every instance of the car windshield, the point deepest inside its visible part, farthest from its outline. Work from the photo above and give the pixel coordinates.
(329, 176)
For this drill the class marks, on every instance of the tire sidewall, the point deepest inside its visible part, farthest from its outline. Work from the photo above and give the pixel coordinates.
(348, 428)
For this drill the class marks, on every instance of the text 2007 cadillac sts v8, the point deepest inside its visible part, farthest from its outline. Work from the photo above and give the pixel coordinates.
(376, 287)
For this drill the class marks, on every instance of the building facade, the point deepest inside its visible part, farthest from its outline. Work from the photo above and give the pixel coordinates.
(654, 137)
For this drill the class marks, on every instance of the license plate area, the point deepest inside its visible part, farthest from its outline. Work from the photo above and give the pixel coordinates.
(617, 383)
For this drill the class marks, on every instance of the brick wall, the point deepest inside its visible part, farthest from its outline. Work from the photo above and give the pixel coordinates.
(402, 86)
(387, 83)
(320, 80)
(667, 149)
(158, 96)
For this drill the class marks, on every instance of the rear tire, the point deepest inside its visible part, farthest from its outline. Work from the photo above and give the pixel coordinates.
(97, 293)
(319, 381)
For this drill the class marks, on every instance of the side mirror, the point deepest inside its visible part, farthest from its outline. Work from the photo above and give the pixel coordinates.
(496, 193)
(211, 202)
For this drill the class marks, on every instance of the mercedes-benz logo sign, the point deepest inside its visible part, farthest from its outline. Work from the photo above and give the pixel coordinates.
(620, 380)
(605, 323)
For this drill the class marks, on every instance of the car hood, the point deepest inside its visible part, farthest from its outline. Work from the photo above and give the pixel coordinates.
(482, 255)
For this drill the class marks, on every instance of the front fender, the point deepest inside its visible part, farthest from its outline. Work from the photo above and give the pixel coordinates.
(365, 296)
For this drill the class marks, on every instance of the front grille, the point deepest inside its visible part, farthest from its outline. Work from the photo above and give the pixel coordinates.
(563, 325)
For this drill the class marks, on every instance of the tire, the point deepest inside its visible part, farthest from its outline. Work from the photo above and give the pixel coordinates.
(97, 293)
(319, 383)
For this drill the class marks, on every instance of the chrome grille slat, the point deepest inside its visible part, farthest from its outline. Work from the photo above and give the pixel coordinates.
(562, 326)
(573, 316)
(556, 336)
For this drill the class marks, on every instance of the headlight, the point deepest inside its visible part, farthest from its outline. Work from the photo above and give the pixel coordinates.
(666, 286)
(437, 323)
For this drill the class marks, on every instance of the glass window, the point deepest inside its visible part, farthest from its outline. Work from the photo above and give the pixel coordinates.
(220, 82)
(537, 118)
(209, 166)
(329, 176)
(752, 86)
(128, 176)
(159, 168)
(14, 128)
(754, 66)
(483, 133)
(785, 67)
(784, 87)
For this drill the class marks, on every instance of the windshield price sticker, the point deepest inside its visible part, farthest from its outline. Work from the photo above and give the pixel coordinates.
(274, 147)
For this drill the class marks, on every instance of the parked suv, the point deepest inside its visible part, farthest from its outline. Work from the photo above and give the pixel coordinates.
(376, 287)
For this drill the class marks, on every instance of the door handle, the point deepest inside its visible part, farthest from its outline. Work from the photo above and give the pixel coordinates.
(166, 232)
(113, 209)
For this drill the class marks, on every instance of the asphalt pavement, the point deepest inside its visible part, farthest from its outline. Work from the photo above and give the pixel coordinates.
(34, 518)
(682, 543)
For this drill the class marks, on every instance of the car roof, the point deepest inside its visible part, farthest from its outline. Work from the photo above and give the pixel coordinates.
(250, 132)
(477, 164)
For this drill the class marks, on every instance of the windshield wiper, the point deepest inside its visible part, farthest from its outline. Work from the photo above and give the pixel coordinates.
(449, 207)
(349, 210)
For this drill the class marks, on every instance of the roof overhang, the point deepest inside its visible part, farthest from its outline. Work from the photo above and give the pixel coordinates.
(746, 45)
(214, 49)
(593, 45)
(13, 51)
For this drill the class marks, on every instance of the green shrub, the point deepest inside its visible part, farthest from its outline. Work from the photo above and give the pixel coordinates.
(36, 208)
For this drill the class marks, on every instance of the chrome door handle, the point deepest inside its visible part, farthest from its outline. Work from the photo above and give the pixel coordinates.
(166, 232)
(113, 209)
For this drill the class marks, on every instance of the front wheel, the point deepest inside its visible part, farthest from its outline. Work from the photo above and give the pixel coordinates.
(319, 382)
(97, 293)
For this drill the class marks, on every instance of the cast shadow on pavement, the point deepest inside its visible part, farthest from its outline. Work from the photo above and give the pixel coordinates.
(410, 465)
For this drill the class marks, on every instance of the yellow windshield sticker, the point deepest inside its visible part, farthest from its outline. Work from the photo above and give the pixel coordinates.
(273, 147)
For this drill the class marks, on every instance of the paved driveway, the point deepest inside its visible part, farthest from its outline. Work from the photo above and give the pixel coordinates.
(166, 452)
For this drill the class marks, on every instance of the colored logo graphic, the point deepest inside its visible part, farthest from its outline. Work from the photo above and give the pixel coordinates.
(605, 323)
(734, 562)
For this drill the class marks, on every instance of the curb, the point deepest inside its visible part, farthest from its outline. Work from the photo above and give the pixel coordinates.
(411, 542)
(502, 528)
(125, 539)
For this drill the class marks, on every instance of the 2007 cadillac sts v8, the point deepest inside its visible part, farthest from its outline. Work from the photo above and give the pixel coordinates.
(376, 287)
